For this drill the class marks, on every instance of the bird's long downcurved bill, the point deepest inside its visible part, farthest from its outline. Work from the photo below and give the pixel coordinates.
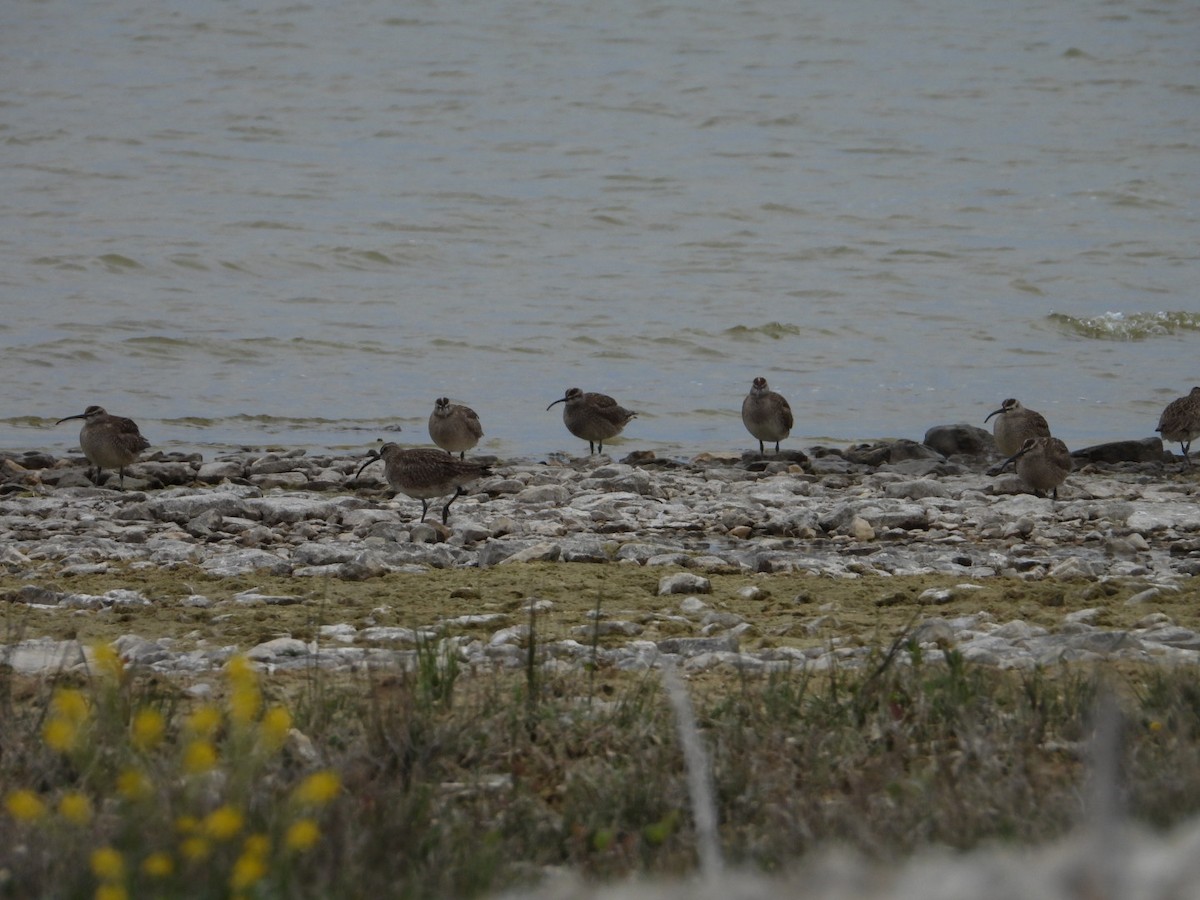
(69, 418)
(559, 400)
(374, 456)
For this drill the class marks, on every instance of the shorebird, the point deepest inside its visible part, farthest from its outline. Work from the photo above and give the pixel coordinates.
(108, 442)
(1043, 463)
(593, 417)
(1180, 421)
(424, 474)
(454, 428)
(1016, 425)
(766, 414)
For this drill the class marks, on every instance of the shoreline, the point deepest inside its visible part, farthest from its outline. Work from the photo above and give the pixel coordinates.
(892, 534)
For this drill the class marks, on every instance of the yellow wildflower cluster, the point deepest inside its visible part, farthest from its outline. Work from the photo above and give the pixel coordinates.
(69, 715)
(231, 742)
(108, 865)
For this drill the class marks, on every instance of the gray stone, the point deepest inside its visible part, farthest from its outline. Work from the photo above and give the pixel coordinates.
(960, 439)
(242, 562)
(279, 648)
(684, 583)
(686, 647)
(1146, 450)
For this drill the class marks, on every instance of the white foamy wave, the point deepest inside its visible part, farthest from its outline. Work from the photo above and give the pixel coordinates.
(1117, 326)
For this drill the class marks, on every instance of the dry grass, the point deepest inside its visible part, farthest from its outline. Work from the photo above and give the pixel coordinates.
(456, 785)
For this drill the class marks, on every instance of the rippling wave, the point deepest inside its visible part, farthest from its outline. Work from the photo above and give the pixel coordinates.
(774, 330)
(1116, 326)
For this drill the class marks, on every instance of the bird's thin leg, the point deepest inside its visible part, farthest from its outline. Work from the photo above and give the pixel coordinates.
(446, 509)
(424, 509)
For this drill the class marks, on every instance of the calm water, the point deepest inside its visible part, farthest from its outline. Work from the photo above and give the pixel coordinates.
(295, 224)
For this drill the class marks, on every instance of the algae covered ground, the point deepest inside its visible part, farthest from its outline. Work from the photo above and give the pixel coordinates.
(787, 609)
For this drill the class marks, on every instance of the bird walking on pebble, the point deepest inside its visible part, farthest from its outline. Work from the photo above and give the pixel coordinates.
(453, 427)
(1016, 425)
(424, 473)
(766, 414)
(593, 417)
(1043, 463)
(108, 442)
(1180, 422)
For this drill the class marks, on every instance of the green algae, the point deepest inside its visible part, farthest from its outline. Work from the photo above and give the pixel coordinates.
(794, 610)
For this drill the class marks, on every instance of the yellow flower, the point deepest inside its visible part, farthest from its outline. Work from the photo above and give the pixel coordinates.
(302, 835)
(224, 823)
(148, 729)
(317, 789)
(107, 661)
(240, 671)
(199, 757)
(111, 892)
(244, 704)
(204, 721)
(75, 808)
(194, 849)
(25, 806)
(158, 865)
(70, 713)
(71, 705)
(187, 824)
(257, 844)
(1156, 726)
(107, 864)
(60, 734)
(133, 784)
(273, 730)
(248, 869)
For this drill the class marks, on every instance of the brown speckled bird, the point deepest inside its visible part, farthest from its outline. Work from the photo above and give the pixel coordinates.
(1180, 422)
(424, 473)
(1016, 425)
(108, 442)
(766, 414)
(593, 417)
(1043, 463)
(453, 427)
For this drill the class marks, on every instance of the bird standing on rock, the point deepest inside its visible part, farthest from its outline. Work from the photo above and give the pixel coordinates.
(108, 442)
(766, 414)
(1180, 422)
(453, 427)
(1043, 463)
(593, 417)
(1016, 425)
(423, 474)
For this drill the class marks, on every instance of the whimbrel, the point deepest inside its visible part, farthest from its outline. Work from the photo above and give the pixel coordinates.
(1016, 425)
(423, 474)
(453, 427)
(766, 414)
(1043, 463)
(593, 417)
(108, 442)
(1180, 422)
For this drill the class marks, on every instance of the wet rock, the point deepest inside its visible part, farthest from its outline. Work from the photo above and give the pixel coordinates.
(961, 439)
(1146, 450)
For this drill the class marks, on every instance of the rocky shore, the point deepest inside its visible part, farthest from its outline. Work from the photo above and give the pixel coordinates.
(1113, 557)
